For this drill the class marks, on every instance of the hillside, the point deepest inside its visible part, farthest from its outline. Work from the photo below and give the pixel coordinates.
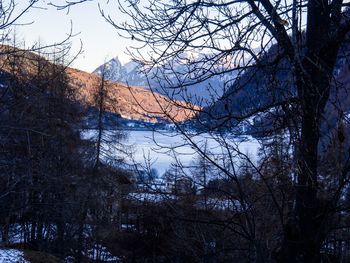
(129, 102)
(256, 96)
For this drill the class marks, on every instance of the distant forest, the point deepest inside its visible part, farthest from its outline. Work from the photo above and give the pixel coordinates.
(219, 74)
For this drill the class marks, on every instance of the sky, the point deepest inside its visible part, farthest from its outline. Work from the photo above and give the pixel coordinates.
(100, 40)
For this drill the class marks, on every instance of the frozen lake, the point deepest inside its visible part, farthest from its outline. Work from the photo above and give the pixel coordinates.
(160, 149)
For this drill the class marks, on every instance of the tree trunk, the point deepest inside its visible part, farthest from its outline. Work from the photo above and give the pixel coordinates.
(305, 232)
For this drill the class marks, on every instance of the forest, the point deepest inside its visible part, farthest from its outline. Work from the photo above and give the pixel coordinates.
(239, 116)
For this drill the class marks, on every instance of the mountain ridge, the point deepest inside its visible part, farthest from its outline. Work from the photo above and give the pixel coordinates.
(129, 102)
(166, 83)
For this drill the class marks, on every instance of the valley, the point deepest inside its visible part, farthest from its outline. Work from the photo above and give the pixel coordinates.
(225, 138)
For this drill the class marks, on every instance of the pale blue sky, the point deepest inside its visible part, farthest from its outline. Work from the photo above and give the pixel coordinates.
(100, 40)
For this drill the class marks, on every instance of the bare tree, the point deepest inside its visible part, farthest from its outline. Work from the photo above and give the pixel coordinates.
(12, 111)
(284, 54)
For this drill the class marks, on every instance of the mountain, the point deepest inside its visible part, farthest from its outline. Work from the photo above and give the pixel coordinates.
(164, 81)
(134, 103)
(113, 70)
(250, 101)
(224, 95)
(116, 72)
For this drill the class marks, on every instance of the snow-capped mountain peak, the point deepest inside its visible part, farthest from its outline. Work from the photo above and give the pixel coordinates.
(168, 79)
(113, 70)
(131, 66)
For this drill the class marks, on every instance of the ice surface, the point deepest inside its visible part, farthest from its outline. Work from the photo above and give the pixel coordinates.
(161, 149)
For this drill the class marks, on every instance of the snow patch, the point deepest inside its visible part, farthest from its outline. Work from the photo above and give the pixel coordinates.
(101, 253)
(12, 256)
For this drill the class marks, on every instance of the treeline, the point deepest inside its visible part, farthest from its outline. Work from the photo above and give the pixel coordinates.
(232, 215)
(66, 194)
(53, 195)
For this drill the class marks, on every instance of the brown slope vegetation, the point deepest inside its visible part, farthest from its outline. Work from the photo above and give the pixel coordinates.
(130, 102)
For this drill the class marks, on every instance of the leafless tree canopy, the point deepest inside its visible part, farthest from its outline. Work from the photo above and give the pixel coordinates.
(284, 54)
(271, 71)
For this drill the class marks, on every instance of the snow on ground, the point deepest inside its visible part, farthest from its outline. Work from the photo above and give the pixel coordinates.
(11, 256)
(151, 197)
(160, 148)
(18, 231)
(219, 204)
(97, 253)
(101, 253)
